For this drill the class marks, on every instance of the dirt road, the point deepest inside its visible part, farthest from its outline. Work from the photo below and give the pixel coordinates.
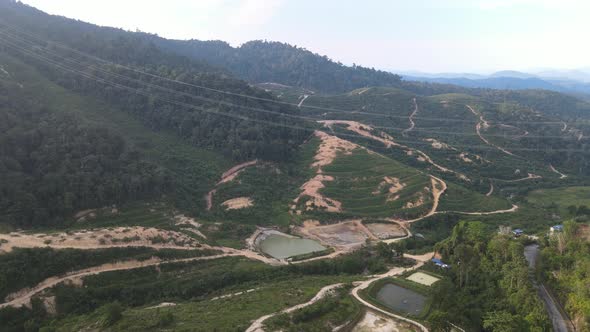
(561, 175)
(23, 297)
(436, 193)
(302, 100)
(559, 321)
(395, 271)
(483, 123)
(411, 119)
(512, 209)
(366, 131)
(530, 176)
(257, 325)
(489, 193)
(227, 176)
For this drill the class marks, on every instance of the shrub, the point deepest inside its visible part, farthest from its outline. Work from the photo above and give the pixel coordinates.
(113, 313)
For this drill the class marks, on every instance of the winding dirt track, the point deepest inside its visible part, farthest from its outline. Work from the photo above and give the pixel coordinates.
(257, 325)
(395, 271)
(483, 123)
(489, 193)
(411, 119)
(530, 176)
(302, 100)
(512, 209)
(228, 176)
(365, 130)
(561, 175)
(23, 297)
(436, 194)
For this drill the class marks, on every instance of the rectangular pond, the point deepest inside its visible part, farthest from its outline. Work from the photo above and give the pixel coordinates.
(281, 246)
(401, 299)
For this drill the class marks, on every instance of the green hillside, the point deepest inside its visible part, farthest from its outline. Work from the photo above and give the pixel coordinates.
(147, 184)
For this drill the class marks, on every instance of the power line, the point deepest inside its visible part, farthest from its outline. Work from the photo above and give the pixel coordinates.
(107, 72)
(240, 117)
(11, 27)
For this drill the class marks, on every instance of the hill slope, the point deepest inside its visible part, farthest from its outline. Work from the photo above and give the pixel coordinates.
(60, 162)
(261, 61)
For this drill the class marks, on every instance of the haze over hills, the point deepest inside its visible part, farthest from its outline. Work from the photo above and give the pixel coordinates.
(574, 81)
(150, 184)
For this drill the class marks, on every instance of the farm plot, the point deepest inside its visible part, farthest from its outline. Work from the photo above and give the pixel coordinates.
(423, 278)
(368, 184)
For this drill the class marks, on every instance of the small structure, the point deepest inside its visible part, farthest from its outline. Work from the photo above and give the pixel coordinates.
(517, 232)
(440, 263)
(556, 228)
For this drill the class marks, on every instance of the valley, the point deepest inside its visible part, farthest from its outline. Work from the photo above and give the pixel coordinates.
(150, 186)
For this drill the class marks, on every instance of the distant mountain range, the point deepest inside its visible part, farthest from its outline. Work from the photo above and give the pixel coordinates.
(567, 81)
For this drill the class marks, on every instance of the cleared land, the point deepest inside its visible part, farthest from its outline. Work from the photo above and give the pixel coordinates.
(344, 235)
(238, 203)
(374, 322)
(423, 278)
(362, 192)
(562, 197)
(386, 230)
(100, 238)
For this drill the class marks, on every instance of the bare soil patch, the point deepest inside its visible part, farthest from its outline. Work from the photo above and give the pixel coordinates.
(311, 189)
(584, 232)
(423, 278)
(387, 140)
(345, 235)
(374, 322)
(328, 150)
(181, 219)
(392, 185)
(101, 238)
(227, 176)
(238, 203)
(363, 130)
(386, 230)
(436, 144)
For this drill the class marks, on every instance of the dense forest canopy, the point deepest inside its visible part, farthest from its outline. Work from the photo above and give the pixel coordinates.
(488, 287)
(53, 163)
(57, 163)
(263, 61)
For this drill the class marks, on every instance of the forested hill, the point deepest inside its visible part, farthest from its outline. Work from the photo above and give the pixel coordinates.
(261, 61)
(65, 85)
(167, 92)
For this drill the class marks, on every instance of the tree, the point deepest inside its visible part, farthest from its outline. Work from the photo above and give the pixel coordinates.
(502, 321)
(439, 321)
(113, 313)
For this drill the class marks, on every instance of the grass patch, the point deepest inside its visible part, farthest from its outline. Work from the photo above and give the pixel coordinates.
(358, 184)
(229, 314)
(559, 199)
(458, 198)
(334, 310)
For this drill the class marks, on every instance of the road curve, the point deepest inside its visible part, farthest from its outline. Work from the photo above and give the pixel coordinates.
(257, 325)
(411, 119)
(395, 271)
(483, 123)
(559, 321)
(23, 297)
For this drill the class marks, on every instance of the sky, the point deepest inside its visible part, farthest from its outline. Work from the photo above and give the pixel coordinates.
(479, 36)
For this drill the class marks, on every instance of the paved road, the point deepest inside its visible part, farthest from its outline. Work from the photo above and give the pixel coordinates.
(559, 321)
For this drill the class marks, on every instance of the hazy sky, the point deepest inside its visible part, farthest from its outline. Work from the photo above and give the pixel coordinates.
(424, 35)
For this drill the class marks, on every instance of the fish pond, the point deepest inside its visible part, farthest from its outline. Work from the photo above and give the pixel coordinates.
(284, 246)
(401, 299)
